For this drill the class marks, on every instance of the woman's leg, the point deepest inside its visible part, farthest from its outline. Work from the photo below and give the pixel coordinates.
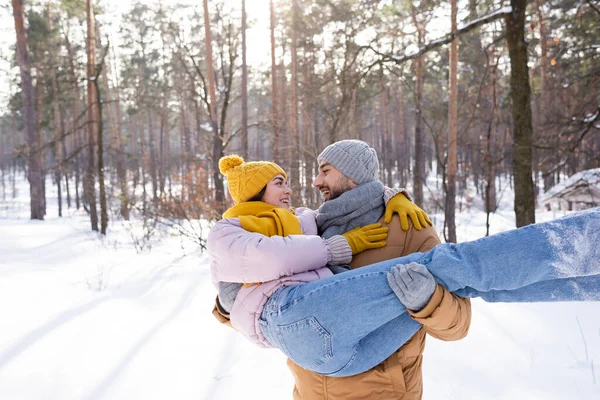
(582, 288)
(330, 326)
(379, 345)
(550, 252)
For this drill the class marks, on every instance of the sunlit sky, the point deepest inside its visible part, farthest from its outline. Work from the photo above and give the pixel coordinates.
(257, 35)
(258, 39)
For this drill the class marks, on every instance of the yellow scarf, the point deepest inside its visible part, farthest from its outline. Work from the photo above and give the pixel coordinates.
(263, 218)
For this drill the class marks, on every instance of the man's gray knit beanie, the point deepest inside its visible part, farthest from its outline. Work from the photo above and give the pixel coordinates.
(353, 158)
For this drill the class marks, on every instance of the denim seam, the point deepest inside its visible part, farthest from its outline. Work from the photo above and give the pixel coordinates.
(299, 299)
(312, 321)
(271, 306)
(348, 364)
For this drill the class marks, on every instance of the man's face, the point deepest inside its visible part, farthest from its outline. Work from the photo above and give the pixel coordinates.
(331, 182)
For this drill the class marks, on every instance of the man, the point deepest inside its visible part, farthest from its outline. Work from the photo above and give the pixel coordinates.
(353, 197)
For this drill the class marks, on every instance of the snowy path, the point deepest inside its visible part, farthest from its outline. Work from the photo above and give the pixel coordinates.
(85, 321)
(89, 319)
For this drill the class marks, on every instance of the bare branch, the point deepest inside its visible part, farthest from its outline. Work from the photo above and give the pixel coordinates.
(593, 7)
(443, 40)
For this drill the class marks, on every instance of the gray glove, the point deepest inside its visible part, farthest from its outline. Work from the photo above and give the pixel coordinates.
(227, 293)
(413, 284)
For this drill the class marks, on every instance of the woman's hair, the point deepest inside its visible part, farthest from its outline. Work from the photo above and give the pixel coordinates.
(259, 195)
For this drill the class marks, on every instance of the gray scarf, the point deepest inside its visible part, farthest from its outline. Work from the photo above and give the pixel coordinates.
(360, 206)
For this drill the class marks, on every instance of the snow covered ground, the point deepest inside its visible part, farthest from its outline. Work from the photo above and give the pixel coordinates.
(83, 317)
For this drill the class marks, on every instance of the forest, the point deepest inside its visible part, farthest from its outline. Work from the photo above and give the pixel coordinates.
(128, 115)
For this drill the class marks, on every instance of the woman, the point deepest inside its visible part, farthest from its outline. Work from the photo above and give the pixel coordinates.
(292, 301)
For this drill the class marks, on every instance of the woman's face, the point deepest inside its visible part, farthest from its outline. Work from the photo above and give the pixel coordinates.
(278, 193)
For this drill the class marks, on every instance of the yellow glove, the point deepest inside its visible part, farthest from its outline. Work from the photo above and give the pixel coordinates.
(367, 237)
(405, 208)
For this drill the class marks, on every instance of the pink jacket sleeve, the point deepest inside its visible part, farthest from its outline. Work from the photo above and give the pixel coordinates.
(240, 256)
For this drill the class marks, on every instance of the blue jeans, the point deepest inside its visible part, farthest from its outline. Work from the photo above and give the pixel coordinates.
(350, 322)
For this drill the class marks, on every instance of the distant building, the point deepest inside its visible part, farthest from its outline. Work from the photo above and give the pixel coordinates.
(578, 192)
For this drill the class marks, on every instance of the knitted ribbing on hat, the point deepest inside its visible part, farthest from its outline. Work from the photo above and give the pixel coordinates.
(246, 179)
(353, 158)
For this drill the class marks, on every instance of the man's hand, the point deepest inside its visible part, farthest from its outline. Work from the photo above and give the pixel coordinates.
(367, 237)
(405, 208)
(413, 284)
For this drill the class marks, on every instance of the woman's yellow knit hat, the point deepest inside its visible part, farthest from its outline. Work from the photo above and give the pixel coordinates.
(246, 179)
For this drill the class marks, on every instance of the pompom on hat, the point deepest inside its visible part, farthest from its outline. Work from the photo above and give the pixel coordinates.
(246, 179)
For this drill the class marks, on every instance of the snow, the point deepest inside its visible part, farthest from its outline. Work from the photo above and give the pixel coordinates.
(575, 249)
(591, 117)
(85, 317)
(589, 177)
(410, 52)
(206, 126)
(501, 11)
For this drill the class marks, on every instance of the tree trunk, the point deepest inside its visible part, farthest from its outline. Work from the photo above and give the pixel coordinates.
(353, 114)
(100, 141)
(34, 166)
(521, 111)
(163, 147)
(111, 119)
(39, 112)
(544, 128)
(141, 167)
(115, 129)
(152, 145)
(274, 91)
(217, 139)
(63, 144)
(244, 86)
(15, 142)
(295, 153)
(402, 153)
(185, 145)
(386, 168)
(92, 113)
(57, 121)
(77, 162)
(419, 156)
(57, 141)
(490, 157)
(163, 139)
(76, 132)
(452, 130)
(3, 164)
(307, 114)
